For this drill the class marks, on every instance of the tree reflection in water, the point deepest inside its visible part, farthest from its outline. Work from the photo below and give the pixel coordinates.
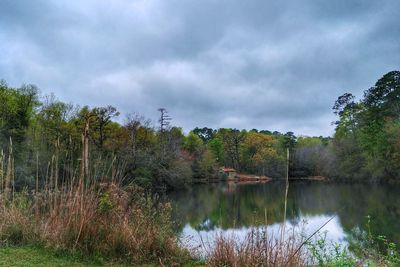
(203, 211)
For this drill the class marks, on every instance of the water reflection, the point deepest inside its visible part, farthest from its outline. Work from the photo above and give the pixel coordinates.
(203, 211)
(201, 240)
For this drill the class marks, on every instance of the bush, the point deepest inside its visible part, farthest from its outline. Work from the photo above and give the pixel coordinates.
(335, 255)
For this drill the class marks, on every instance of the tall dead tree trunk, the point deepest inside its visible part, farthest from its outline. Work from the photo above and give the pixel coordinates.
(56, 157)
(85, 153)
(164, 126)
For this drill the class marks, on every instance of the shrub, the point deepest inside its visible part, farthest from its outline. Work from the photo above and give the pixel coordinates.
(324, 254)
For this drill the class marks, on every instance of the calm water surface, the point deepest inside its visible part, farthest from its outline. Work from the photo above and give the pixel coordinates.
(205, 210)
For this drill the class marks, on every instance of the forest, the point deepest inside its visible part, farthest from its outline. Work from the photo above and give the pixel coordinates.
(46, 142)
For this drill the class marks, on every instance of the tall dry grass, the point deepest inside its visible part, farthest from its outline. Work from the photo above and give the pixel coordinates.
(106, 220)
(259, 249)
(17, 224)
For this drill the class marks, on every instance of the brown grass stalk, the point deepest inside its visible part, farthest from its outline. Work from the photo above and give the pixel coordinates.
(258, 249)
(120, 224)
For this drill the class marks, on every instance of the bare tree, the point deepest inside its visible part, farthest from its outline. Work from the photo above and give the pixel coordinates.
(164, 120)
(164, 127)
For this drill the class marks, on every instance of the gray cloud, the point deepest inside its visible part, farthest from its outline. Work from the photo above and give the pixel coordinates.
(245, 64)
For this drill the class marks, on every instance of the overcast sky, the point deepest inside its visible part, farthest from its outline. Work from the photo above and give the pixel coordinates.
(276, 65)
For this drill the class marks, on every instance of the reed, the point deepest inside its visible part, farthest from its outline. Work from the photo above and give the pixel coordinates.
(258, 249)
(103, 219)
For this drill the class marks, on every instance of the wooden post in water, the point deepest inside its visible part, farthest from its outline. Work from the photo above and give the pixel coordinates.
(286, 194)
(287, 181)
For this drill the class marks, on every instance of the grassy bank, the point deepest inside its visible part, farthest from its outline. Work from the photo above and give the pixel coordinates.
(120, 225)
(251, 252)
(38, 256)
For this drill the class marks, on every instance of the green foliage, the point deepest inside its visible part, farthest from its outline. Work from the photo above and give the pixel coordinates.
(206, 134)
(289, 140)
(332, 255)
(102, 119)
(392, 255)
(376, 250)
(383, 98)
(30, 256)
(260, 155)
(304, 141)
(193, 144)
(16, 110)
(47, 137)
(216, 146)
(367, 133)
(143, 177)
(232, 140)
(105, 204)
(205, 166)
(53, 139)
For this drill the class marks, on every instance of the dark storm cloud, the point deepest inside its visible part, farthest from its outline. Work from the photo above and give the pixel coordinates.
(247, 64)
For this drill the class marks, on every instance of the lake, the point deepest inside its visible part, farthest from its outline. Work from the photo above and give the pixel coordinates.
(226, 208)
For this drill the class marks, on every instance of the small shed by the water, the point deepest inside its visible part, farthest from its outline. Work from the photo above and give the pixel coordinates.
(229, 171)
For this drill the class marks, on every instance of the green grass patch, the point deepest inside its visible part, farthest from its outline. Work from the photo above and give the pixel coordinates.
(37, 256)
(27, 256)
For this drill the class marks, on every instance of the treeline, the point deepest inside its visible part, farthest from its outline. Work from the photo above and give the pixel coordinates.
(366, 143)
(365, 146)
(367, 136)
(45, 142)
